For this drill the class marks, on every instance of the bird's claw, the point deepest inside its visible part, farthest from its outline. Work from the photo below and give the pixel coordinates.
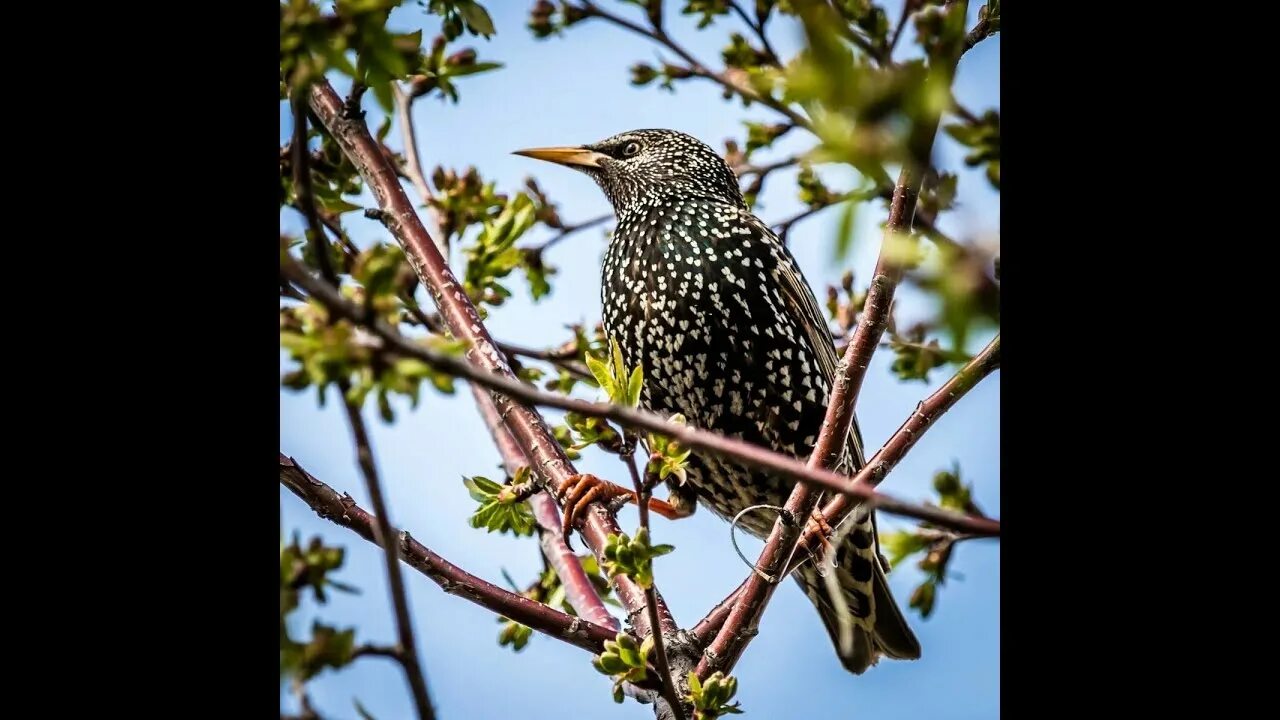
(580, 491)
(821, 550)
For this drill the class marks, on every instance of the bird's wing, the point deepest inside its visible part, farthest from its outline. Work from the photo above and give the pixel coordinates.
(804, 306)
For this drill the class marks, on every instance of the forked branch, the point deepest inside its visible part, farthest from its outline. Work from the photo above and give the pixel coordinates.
(342, 510)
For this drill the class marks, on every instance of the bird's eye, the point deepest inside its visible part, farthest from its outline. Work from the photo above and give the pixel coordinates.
(630, 149)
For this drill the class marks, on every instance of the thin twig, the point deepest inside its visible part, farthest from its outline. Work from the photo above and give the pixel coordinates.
(364, 453)
(404, 623)
(303, 195)
(659, 645)
(689, 436)
(386, 651)
(908, 6)
(413, 166)
(762, 170)
(758, 29)
(783, 227)
(590, 9)
(568, 230)
(342, 510)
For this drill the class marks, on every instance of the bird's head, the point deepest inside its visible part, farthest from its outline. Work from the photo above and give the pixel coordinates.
(641, 165)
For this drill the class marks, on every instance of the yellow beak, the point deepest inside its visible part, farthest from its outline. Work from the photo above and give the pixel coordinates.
(564, 155)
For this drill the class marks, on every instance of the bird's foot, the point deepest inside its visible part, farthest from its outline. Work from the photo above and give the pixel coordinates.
(817, 533)
(583, 489)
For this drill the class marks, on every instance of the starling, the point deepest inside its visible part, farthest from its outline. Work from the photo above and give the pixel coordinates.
(704, 297)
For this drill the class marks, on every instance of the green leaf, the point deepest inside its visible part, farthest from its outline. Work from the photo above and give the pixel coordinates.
(633, 388)
(499, 511)
(923, 597)
(710, 698)
(600, 372)
(845, 230)
(695, 685)
(462, 70)
(900, 545)
(633, 557)
(482, 488)
(619, 367)
(478, 20)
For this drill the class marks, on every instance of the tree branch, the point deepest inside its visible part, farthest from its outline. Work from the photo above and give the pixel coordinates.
(413, 165)
(783, 227)
(982, 365)
(981, 31)
(579, 591)
(342, 510)
(705, 631)
(528, 428)
(404, 623)
(908, 6)
(688, 436)
(376, 651)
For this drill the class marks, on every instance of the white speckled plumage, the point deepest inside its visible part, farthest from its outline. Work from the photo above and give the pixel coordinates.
(702, 295)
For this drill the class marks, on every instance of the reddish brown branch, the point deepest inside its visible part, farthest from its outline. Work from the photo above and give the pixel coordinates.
(579, 591)
(688, 436)
(982, 365)
(526, 425)
(342, 510)
(705, 631)
(875, 318)
(408, 656)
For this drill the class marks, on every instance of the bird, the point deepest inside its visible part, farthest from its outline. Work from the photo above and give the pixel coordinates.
(704, 297)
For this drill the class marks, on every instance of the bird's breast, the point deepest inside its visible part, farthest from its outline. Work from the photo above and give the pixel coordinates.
(691, 294)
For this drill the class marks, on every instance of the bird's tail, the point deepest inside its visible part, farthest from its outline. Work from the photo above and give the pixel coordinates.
(878, 626)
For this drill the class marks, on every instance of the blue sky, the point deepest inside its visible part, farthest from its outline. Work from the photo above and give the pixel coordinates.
(574, 89)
